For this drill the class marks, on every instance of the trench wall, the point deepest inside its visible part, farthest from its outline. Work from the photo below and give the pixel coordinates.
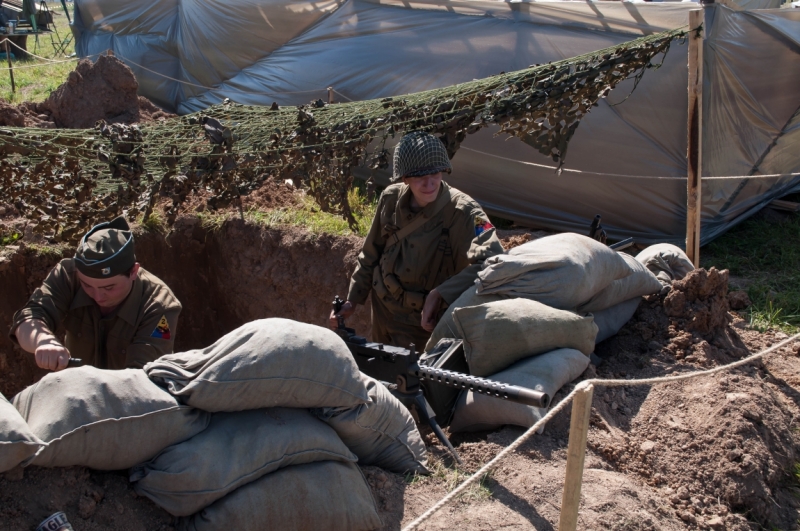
(223, 277)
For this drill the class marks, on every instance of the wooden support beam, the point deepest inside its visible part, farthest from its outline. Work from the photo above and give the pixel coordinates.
(576, 454)
(789, 206)
(694, 153)
(330, 95)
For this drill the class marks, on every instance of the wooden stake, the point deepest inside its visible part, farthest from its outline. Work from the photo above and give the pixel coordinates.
(330, 94)
(10, 66)
(576, 453)
(694, 153)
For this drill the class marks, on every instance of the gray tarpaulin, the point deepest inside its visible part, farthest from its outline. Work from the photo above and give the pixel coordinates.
(626, 162)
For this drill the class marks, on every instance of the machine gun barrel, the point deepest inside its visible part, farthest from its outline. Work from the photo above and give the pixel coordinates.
(484, 386)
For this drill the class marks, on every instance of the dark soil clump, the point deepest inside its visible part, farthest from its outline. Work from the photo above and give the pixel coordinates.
(102, 90)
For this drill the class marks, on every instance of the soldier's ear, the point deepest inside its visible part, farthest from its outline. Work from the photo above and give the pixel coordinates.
(134, 271)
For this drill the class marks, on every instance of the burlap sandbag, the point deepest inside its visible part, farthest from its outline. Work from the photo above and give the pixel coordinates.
(500, 333)
(265, 363)
(234, 450)
(639, 283)
(546, 372)
(562, 271)
(446, 327)
(18, 444)
(381, 432)
(611, 320)
(323, 496)
(107, 420)
(666, 261)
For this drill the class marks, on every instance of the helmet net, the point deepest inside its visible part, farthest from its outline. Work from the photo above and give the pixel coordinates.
(419, 154)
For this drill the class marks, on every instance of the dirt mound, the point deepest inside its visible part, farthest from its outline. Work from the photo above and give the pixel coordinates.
(101, 90)
(715, 445)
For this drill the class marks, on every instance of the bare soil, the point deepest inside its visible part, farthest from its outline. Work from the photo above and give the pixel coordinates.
(709, 453)
(102, 90)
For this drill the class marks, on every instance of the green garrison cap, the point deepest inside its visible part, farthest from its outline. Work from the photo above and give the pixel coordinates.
(106, 250)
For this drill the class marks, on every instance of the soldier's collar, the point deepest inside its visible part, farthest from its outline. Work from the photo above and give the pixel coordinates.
(428, 210)
(129, 310)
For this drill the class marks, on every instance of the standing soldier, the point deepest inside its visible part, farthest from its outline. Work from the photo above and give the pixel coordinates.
(116, 314)
(425, 247)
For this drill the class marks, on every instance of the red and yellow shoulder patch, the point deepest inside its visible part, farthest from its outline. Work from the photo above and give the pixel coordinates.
(482, 225)
(162, 329)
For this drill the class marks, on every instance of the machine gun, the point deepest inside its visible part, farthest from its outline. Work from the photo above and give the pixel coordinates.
(432, 382)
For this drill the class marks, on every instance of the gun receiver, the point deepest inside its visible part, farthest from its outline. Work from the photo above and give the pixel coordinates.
(431, 382)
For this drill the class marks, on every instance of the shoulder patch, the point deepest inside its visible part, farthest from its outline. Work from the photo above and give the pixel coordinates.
(482, 225)
(162, 329)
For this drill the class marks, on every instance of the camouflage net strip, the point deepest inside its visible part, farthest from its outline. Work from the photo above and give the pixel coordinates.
(67, 180)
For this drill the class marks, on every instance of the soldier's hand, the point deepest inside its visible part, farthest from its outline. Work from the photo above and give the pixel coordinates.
(347, 310)
(430, 310)
(52, 355)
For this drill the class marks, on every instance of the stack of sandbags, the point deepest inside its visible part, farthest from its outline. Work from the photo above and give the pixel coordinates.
(546, 373)
(265, 363)
(265, 461)
(18, 444)
(106, 420)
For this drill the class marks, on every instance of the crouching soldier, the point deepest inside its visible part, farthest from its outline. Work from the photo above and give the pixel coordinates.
(425, 247)
(116, 314)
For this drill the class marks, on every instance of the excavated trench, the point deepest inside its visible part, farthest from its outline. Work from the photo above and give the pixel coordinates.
(224, 278)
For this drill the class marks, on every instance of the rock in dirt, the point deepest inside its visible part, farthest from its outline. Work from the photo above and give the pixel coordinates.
(738, 300)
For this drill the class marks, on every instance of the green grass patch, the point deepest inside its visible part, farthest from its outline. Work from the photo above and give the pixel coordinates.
(452, 478)
(34, 78)
(764, 259)
(9, 238)
(309, 216)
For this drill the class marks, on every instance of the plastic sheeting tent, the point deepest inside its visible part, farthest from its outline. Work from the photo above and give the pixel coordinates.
(626, 162)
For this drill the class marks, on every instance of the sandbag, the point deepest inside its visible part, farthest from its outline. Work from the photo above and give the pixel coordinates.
(562, 271)
(265, 363)
(18, 444)
(381, 432)
(234, 450)
(446, 327)
(106, 420)
(611, 320)
(500, 333)
(323, 496)
(666, 261)
(546, 372)
(639, 283)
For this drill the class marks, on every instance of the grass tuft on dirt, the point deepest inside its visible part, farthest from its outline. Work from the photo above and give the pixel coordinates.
(764, 260)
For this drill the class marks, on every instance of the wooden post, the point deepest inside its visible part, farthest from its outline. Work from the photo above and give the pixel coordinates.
(10, 66)
(576, 453)
(330, 94)
(694, 152)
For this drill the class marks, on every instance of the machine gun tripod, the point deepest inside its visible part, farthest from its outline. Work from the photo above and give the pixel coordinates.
(429, 382)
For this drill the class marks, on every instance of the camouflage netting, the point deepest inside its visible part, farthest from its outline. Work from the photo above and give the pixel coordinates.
(67, 180)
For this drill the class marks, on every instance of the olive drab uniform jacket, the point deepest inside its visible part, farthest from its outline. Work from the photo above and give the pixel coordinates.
(445, 252)
(141, 330)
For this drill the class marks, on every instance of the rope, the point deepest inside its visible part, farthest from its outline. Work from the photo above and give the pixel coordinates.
(12, 43)
(39, 65)
(581, 386)
(218, 88)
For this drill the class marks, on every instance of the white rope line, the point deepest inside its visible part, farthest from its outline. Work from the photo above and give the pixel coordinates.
(580, 387)
(20, 48)
(681, 177)
(315, 91)
(39, 65)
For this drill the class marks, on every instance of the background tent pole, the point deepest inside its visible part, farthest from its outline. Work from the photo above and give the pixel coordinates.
(694, 152)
